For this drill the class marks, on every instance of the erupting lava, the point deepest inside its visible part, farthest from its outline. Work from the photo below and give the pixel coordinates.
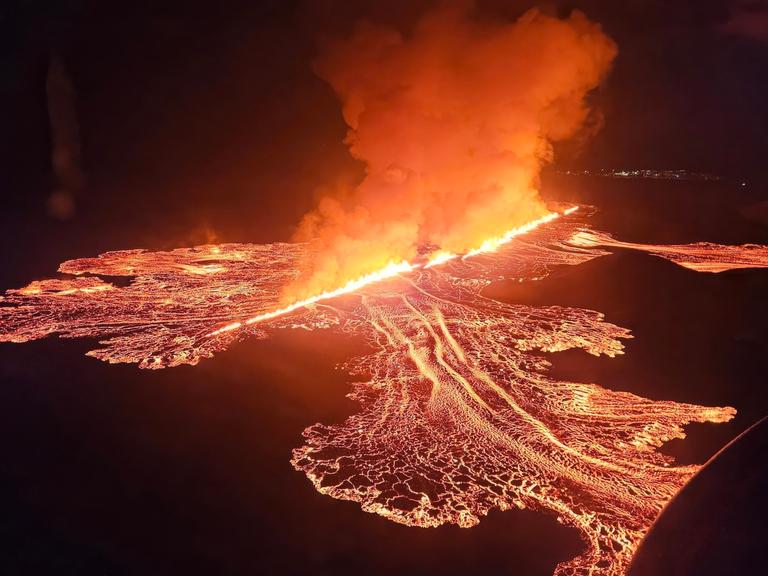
(458, 414)
(393, 269)
(453, 121)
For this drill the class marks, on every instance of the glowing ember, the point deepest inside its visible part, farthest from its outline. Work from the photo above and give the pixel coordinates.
(458, 415)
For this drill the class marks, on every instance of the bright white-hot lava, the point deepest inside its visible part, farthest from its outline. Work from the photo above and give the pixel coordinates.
(385, 273)
(391, 270)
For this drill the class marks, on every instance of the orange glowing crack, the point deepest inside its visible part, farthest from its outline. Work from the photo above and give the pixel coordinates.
(389, 271)
(493, 244)
(393, 269)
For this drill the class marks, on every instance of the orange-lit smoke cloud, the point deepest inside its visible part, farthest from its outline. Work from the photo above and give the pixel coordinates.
(453, 123)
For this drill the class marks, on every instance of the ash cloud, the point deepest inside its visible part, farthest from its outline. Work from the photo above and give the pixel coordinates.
(453, 122)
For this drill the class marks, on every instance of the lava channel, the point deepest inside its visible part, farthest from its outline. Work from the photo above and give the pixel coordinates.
(458, 414)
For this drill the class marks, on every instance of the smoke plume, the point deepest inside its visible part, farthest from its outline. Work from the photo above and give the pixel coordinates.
(453, 122)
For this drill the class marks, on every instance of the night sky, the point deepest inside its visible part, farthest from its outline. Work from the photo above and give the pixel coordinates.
(213, 112)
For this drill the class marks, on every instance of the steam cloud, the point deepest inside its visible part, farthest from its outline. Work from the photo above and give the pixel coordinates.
(454, 123)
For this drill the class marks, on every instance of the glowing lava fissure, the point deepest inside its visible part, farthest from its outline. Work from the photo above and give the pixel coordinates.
(457, 412)
(393, 269)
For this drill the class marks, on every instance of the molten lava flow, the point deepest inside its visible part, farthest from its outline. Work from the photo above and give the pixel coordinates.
(458, 414)
(701, 256)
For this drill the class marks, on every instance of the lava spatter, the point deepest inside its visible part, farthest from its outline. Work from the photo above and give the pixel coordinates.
(458, 414)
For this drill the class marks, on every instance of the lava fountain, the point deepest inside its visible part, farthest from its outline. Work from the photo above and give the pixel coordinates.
(458, 415)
